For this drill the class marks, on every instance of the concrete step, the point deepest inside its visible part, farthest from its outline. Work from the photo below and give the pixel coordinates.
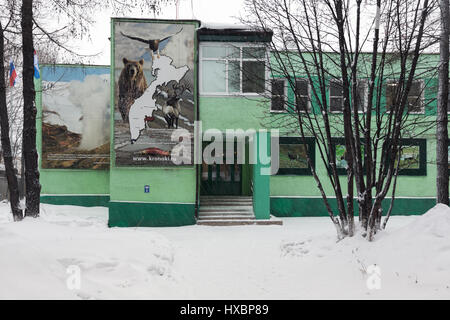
(230, 201)
(227, 202)
(226, 213)
(238, 222)
(227, 197)
(225, 208)
(228, 217)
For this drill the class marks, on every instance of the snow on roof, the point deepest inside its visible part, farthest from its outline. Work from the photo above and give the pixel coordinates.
(224, 26)
(211, 30)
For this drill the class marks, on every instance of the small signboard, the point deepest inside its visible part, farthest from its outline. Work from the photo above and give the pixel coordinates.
(146, 189)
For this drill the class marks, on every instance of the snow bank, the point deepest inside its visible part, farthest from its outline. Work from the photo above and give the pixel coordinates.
(299, 260)
(37, 256)
(434, 223)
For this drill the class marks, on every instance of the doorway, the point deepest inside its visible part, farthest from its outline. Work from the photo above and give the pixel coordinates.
(223, 179)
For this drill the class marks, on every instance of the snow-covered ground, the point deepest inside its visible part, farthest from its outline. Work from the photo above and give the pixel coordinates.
(299, 260)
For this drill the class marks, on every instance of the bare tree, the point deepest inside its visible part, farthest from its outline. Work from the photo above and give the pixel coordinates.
(33, 187)
(442, 108)
(5, 139)
(27, 24)
(326, 43)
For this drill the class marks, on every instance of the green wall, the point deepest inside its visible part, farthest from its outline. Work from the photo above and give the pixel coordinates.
(297, 191)
(314, 206)
(228, 112)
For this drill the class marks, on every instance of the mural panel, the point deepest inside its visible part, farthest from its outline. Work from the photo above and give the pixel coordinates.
(75, 117)
(293, 155)
(154, 92)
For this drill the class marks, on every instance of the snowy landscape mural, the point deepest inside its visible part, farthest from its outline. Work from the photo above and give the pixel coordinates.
(154, 90)
(75, 118)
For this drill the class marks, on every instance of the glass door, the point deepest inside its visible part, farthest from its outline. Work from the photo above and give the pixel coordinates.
(221, 179)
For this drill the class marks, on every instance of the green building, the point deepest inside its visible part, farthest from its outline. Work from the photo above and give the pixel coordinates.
(108, 143)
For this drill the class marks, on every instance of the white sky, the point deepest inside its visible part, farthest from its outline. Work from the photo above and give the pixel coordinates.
(219, 11)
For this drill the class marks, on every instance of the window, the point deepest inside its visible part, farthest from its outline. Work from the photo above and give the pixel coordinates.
(293, 155)
(213, 76)
(232, 69)
(414, 99)
(336, 97)
(302, 94)
(278, 95)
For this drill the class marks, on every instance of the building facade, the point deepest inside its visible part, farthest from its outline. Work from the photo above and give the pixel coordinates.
(105, 133)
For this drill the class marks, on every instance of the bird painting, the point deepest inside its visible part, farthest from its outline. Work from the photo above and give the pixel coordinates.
(293, 157)
(155, 45)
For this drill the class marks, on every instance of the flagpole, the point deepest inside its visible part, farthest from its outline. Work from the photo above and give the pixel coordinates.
(10, 106)
(22, 168)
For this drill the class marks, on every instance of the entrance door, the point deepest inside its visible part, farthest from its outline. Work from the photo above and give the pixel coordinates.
(221, 179)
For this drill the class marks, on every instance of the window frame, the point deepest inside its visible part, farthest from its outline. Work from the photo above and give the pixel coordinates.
(311, 143)
(226, 60)
(330, 96)
(422, 95)
(285, 80)
(308, 107)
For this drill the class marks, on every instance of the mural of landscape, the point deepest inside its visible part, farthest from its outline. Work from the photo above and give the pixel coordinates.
(340, 150)
(341, 163)
(154, 92)
(409, 157)
(75, 117)
(293, 156)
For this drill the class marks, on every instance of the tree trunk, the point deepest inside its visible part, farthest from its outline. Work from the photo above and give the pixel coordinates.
(442, 118)
(33, 187)
(13, 187)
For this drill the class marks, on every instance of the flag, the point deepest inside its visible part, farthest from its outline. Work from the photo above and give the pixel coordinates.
(36, 66)
(12, 74)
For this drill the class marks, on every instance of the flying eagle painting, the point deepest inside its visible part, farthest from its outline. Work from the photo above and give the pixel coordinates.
(155, 45)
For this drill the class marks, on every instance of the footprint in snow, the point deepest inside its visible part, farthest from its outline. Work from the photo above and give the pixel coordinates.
(295, 248)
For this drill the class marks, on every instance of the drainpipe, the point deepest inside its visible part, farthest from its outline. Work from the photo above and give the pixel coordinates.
(197, 185)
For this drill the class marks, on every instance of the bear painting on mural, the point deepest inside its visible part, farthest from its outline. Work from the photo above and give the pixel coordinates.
(132, 85)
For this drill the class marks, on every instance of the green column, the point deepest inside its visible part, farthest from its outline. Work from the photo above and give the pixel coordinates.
(261, 179)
